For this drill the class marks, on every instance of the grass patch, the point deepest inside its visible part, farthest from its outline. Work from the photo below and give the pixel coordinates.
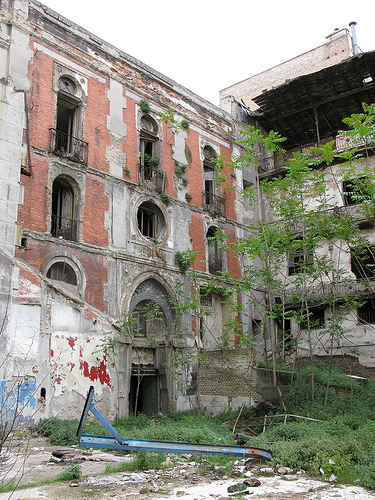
(142, 460)
(70, 472)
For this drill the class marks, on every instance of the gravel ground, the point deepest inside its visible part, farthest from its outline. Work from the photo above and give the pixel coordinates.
(181, 480)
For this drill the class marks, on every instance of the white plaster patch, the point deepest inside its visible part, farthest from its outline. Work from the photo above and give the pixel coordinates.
(65, 317)
(24, 324)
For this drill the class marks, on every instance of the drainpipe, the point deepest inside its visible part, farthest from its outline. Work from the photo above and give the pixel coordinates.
(354, 38)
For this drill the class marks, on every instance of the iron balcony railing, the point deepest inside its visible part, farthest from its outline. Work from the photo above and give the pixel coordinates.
(62, 227)
(215, 266)
(152, 178)
(214, 203)
(62, 144)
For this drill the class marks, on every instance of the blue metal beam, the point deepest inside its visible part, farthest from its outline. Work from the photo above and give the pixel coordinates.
(118, 443)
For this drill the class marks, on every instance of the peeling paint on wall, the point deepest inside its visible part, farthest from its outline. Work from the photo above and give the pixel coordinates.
(75, 366)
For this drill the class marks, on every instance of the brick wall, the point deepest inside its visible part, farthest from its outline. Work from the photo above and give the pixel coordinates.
(232, 373)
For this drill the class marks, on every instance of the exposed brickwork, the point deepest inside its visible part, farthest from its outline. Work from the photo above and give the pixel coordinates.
(231, 373)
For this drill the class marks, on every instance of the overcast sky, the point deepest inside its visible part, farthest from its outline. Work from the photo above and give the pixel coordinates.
(207, 45)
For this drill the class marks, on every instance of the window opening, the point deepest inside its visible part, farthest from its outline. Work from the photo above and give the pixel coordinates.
(63, 224)
(149, 320)
(205, 299)
(210, 199)
(215, 261)
(64, 138)
(150, 220)
(356, 191)
(363, 263)
(366, 312)
(61, 271)
(300, 260)
(149, 159)
(315, 320)
(209, 173)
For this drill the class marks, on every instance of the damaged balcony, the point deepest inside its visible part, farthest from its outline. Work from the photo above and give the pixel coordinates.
(152, 178)
(63, 227)
(67, 146)
(213, 203)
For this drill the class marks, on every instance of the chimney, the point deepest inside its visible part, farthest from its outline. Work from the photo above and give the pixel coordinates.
(354, 38)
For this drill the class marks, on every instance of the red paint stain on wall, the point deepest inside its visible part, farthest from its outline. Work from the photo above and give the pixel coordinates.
(96, 372)
(71, 342)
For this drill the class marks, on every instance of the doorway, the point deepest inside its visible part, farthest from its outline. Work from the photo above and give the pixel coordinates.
(146, 401)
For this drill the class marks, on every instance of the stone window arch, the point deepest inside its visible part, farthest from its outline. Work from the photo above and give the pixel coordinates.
(151, 310)
(151, 220)
(67, 272)
(66, 136)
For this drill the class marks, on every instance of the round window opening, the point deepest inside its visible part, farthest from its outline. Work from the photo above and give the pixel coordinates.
(67, 85)
(151, 221)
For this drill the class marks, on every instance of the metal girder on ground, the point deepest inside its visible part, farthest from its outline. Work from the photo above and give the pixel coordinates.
(115, 441)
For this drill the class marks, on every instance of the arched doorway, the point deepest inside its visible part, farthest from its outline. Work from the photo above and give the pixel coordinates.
(152, 323)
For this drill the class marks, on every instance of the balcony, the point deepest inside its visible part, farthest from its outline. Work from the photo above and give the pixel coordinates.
(353, 141)
(215, 266)
(213, 203)
(152, 178)
(62, 227)
(67, 146)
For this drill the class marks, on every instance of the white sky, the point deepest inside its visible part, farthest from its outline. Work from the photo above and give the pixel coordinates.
(207, 45)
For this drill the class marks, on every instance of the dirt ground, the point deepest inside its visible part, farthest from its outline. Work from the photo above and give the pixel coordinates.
(181, 479)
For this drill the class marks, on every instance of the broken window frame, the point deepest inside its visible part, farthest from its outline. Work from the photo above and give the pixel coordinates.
(62, 271)
(363, 264)
(149, 155)
(211, 199)
(366, 312)
(150, 221)
(63, 210)
(316, 319)
(65, 138)
(148, 328)
(299, 261)
(353, 194)
(214, 252)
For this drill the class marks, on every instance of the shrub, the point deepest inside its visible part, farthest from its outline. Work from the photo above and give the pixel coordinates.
(145, 106)
(72, 471)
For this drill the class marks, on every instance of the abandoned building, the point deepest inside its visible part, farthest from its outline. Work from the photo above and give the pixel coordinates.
(108, 195)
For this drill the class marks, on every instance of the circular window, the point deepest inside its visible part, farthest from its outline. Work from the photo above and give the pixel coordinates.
(67, 85)
(150, 220)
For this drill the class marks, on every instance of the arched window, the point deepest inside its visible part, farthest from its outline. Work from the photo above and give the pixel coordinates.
(63, 217)
(149, 154)
(65, 140)
(62, 271)
(149, 320)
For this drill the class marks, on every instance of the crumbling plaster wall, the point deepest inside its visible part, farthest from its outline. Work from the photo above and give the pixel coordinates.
(62, 329)
(14, 57)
